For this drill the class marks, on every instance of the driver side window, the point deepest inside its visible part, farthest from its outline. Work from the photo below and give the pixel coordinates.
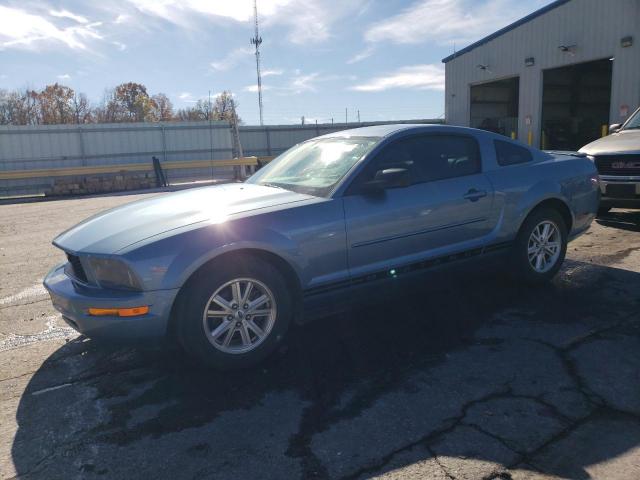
(427, 158)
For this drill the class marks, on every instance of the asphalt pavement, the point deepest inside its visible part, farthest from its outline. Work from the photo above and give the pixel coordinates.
(466, 377)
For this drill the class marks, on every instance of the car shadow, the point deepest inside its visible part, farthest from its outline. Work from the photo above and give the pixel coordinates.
(623, 220)
(95, 410)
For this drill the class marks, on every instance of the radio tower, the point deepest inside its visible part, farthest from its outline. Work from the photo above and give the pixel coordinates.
(257, 40)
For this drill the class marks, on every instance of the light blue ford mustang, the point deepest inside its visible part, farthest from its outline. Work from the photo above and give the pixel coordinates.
(226, 269)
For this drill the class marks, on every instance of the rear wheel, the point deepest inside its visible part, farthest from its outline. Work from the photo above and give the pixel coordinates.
(233, 316)
(541, 246)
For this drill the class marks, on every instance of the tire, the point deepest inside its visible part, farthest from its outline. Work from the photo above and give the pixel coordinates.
(226, 346)
(527, 269)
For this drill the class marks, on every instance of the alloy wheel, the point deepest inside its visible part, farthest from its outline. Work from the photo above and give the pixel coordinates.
(544, 246)
(239, 315)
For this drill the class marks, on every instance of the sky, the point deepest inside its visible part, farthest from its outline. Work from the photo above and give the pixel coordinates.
(320, 58)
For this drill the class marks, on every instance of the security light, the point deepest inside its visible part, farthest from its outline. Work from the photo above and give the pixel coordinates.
(570, 49)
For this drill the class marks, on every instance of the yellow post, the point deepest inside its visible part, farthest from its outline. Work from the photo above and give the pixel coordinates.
(605, 130)
(544, 141)
(530, 138)
(513, 135)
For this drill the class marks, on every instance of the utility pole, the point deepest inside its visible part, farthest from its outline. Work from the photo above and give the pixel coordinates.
(358, 116)
(210, 114)
(346, 116)
(239, 172)
(256, 41)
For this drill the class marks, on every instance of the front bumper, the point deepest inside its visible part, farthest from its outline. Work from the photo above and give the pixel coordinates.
(73, 301)
(630, 183)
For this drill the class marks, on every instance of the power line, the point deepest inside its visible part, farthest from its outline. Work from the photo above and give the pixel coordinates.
(257, 40)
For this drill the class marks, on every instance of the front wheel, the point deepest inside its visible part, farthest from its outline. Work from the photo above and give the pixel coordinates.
(233, 316)
(541, 246)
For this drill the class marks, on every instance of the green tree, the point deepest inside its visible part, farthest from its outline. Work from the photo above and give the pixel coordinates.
(130, 102)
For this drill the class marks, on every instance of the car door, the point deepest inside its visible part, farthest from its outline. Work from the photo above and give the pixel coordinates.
(448, 202)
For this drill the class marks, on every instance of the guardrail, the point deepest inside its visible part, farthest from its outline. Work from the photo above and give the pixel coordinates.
(130, 167)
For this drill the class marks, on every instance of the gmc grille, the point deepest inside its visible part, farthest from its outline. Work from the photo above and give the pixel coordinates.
(76, 267)
(618, 164)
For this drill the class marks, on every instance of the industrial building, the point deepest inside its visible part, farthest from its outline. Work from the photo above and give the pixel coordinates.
(554, 79)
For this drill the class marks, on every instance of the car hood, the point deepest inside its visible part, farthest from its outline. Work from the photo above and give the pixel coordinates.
(625, 141)
(115, 229)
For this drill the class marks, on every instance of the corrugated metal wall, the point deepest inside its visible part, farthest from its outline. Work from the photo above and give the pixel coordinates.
(56, 146)
(271, 140)
(594, 26)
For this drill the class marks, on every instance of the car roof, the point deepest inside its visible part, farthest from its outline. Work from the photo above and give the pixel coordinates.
(387, 130)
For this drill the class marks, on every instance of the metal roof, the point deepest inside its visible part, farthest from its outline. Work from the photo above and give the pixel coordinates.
(506, 29)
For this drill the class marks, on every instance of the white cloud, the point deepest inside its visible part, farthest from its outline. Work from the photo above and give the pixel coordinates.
(269, 73)
(64, 76)
(68, 14)
(448, 21)
(232, 59)
(254, 88)
(312, 21)
(119, 45)
(239, 10)
(21, 29)
(358, 57)
(299, 83)
(305, 20)
(421, 77)
(304, 83)
(122, 18)
(185, 96)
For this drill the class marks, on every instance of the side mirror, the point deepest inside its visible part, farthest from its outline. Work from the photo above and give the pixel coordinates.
(389, 178)
(614, 127)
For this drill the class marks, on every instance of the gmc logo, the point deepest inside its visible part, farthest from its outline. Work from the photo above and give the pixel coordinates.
(625, 165)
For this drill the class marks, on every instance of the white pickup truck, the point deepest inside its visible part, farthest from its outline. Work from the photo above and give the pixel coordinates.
(617, 158)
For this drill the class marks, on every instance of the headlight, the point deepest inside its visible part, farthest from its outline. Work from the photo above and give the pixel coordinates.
(113, 273)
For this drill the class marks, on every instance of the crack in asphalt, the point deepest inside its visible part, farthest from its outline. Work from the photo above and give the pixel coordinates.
(6, 306)
(600, 407)
(426, 440)
(446, 472)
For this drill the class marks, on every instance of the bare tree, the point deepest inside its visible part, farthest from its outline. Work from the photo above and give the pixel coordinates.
(224, 107)
(5, 108)
(82, 111)
(24, 107)
(163, 108)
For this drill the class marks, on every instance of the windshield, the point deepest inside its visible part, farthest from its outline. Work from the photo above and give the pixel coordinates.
(315, 167)
(633, 122)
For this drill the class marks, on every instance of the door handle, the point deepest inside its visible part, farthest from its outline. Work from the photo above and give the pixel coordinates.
(474, 195)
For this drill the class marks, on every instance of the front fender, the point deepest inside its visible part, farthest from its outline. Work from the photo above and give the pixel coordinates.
(188, 251)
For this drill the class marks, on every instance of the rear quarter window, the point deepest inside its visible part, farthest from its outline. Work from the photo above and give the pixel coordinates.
(510, 154)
